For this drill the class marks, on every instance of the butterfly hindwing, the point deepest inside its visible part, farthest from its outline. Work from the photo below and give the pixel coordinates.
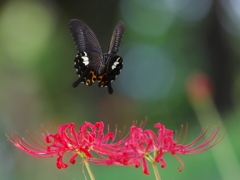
(84, 63)
(115, 67)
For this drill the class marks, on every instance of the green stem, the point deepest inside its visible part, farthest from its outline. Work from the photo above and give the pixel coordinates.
(155, 170)
(207, 112)
(85, 161)
(89, 169)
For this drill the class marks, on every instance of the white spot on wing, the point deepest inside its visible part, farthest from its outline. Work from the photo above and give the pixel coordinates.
(85, 60)
(113, 67)
(86, 63)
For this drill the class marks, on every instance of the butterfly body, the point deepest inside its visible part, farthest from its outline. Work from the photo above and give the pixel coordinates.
(90, 63)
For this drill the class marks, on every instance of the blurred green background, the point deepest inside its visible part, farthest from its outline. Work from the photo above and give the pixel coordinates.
(165, 42)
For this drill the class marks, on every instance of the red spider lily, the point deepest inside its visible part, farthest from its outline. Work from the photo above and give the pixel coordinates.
(133, 149)
(66, 140)
(142, 145)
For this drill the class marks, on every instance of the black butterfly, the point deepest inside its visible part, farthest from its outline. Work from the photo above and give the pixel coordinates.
(90, 63)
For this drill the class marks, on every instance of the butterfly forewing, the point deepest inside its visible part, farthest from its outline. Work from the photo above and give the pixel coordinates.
(116, 38)
(84, 37)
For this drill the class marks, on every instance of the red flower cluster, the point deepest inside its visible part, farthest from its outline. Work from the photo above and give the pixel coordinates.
(133, 149)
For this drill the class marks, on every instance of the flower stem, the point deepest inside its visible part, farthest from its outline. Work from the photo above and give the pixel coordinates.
(208, 113)
(155, 170)
(89, 169)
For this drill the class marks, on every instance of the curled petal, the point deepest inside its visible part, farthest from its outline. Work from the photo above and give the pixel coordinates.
(60, 164)
(145, 166)
(72, 158)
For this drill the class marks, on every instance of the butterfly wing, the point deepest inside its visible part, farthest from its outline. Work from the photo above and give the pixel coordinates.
(86, 64)
(115, 63)
(89, 52)
(84, 37)
(116, 38)
(114, 67)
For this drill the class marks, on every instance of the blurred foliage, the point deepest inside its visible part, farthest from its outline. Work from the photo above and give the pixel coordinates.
(164, 43)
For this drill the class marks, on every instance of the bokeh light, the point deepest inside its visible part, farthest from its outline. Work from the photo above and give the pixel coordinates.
(146, 18)
(229, 16)
(152, 76)
(25, 27)
(193, 10)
